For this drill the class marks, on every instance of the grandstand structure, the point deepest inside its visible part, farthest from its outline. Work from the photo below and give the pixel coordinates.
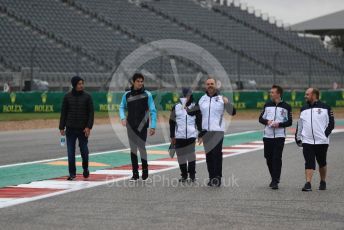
(53, 40)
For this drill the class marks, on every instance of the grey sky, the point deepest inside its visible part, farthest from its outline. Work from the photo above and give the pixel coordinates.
(295, 11)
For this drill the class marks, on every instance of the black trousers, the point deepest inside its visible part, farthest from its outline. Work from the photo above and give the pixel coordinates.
(137, 141)
(212, 142)
(185, 149)
(273, 148)
(315, 152)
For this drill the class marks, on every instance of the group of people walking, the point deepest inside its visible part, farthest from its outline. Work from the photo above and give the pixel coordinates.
(206, 117)
(313, 129)
(201, 121)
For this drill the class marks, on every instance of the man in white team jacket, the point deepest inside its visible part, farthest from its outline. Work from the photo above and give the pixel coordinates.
(212, 106)
(276, 117)
(312, 133)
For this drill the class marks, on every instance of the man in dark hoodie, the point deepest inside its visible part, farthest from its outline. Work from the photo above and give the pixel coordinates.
(77, 117)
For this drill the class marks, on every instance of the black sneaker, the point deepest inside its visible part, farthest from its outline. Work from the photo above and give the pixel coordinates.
(86, 173)
(216, 182)
(210, 184)
(183, 179)
(71, 178)
(145, 174)
(322, 185)
(192, 179)
(307, 187)
(274, 185)
(270, 185)
(134, 178)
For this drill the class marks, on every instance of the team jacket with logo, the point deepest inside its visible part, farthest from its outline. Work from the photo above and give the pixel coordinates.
(316, 124)
(182, 125)
(138, 103)
(212, 109)
(280, 113)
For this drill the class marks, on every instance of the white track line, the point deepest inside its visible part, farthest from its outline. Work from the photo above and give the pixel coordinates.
(57, 184)
(7, 199)
(246, 146)
(113, 172)
(257, 142)
(169, 163)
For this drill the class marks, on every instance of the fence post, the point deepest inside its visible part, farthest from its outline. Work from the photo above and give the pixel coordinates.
(274, 66)
(32, 60)
(161, 70)
(309, 71)
(239, 83)
(342, 72)
(78, 49)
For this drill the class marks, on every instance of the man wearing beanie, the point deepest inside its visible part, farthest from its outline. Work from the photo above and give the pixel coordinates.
(77, 117)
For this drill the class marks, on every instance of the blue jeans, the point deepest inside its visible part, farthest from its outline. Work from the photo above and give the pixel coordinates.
(72, 135)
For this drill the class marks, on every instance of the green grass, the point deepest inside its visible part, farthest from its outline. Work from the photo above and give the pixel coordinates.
(39, 116)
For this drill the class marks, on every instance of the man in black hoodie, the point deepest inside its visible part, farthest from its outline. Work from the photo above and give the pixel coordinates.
(77, 117)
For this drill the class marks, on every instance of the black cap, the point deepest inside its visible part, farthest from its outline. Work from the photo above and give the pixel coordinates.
(75, 80)
(186, 92)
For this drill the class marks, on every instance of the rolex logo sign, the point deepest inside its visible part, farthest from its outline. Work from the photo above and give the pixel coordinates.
(12, 107)
(171, 101)
(238, 104)
(261, 103)
(340, 102)
(44, 108)
(109, 98)
(109, 106)
(236, 96)
(44, 97)
(293, 95)
(294, 102)
(175, 97)
(13, 97)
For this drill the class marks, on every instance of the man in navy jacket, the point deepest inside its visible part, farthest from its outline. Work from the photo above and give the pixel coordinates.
(139, 104)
